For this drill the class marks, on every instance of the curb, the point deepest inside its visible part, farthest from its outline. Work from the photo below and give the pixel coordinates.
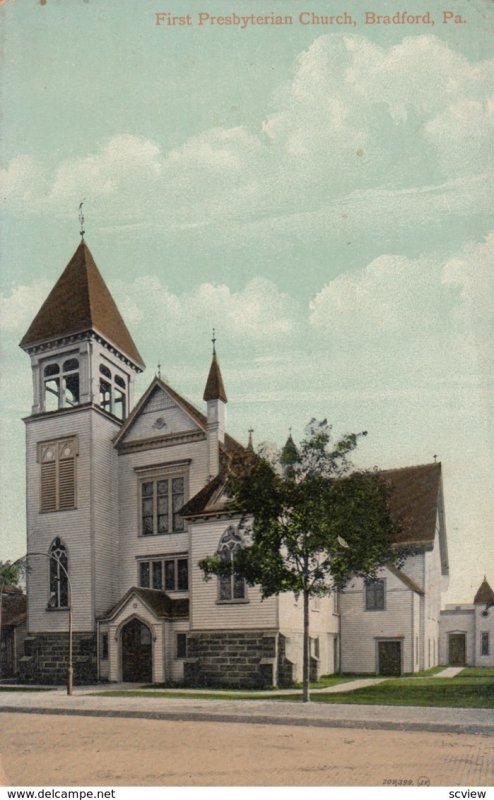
(432, 727)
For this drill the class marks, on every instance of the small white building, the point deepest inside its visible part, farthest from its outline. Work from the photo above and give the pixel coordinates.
(125, 499)
(467, 631)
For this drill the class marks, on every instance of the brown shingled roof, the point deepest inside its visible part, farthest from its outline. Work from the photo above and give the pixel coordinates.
(14, 609)
(484, 595)
(206, 500)
(414, 499)
(80, 301)
(215, 389)
(161, 604)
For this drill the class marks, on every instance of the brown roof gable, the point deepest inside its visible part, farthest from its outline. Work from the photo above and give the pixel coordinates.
(485, 595)
(199, 418)
(215, 389)
(161, 604)
(80, 301)
(414, 500)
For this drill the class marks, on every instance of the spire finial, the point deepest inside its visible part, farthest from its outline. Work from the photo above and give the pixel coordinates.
(81, 221)
(158, 371)
(435, 458)
(214, 342)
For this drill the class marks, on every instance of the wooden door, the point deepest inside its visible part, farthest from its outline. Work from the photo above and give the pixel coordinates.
(389, 656)
(137, 653)
(457, 650)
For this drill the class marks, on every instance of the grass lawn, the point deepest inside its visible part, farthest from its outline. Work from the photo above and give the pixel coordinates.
(13, 688)
(191, 695)
(459, 692)
(477, 672)
(472, 688)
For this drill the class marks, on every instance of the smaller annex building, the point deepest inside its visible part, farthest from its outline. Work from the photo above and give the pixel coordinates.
(467, 631)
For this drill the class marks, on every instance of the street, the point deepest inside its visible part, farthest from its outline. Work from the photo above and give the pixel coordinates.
(54, 750)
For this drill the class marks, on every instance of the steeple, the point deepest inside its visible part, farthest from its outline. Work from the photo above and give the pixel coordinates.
(215, 396)
(215, 389)
(81, 302)
(484, 595)
(289, 456)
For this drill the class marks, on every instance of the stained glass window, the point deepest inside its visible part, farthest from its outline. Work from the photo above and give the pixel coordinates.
(59, 585)
(231, 585)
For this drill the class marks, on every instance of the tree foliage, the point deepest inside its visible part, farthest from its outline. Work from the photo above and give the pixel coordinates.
(309, 521)
(10, 573)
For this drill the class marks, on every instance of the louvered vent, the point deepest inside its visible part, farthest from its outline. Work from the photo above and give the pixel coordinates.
(58, 470)
(66, 484)
(49, 487)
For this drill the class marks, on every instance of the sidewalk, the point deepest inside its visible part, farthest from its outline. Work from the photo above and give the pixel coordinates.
(266, 711)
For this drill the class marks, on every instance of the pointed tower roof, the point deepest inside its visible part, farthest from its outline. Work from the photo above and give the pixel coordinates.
(289, 454)
(484, 595)
(215, 389)
(80, 301)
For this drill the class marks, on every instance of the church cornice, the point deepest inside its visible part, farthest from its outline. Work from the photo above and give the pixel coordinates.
(62, 412)
(155, 442)
(80, 336)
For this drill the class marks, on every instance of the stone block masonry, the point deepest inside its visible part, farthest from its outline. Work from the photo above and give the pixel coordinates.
(234, 659)
(45, 658)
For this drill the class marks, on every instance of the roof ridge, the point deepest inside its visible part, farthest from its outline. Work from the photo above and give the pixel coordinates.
(415, 466)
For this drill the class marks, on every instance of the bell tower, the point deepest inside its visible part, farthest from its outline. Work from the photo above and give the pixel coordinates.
(83, 363)
(81, 351)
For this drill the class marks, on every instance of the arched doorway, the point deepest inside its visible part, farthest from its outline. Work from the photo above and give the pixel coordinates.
(137, 652)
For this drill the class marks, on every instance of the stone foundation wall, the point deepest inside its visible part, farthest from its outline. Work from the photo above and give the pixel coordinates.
(285, 666)
(46, 657)
(235, 659)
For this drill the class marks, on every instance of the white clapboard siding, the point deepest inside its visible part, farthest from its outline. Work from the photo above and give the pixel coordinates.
(206, 612)
(74, 527)
(360, 629)
(414, 567)
(104, 492)
(431, 605)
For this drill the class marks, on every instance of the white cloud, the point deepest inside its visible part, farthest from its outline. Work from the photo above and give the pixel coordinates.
(353, 115)
(434, 315)
(18, 309)
(21, 181)
(119, 163)
(391, 294)
(259, 312)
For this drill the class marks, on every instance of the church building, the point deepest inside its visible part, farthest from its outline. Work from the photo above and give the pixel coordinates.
(124, 498)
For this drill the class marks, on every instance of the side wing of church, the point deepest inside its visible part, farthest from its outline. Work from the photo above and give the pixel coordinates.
(124, 500)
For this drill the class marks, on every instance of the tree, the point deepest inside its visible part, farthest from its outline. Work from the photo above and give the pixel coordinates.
(309, 521)
(10, 574)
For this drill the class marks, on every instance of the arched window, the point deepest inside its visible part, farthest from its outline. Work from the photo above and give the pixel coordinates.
(231, 585)
(61, 384)
(59, 584)
(113, 392)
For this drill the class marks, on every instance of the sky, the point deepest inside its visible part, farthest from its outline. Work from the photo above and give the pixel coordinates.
(320, 194)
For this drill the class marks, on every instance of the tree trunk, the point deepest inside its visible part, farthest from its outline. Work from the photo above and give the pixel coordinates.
(306, 654)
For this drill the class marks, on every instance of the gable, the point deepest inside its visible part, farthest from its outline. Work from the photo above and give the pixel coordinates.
(160, 415)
